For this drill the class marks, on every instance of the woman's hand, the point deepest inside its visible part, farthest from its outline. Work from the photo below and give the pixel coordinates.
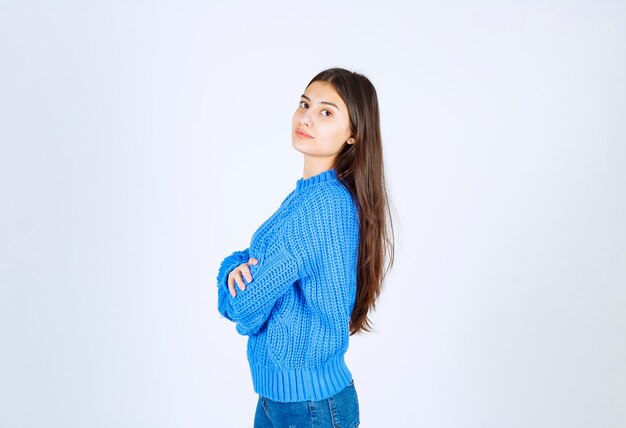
(236, 276)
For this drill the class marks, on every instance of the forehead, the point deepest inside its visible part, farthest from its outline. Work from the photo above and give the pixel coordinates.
(323, 91)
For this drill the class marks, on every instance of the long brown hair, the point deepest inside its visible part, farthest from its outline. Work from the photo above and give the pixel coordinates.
(360, 167)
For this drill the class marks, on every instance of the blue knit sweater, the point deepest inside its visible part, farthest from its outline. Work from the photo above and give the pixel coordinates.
(296, 310)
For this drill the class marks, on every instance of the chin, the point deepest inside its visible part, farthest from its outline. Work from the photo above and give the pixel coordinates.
(299, 148)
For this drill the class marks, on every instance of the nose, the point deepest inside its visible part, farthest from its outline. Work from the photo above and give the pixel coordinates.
(305, 118)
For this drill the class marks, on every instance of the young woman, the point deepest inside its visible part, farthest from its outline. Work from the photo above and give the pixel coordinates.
(315, 268)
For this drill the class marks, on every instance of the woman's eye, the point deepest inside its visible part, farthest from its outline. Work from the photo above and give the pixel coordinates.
(301, 104)
(327, 111)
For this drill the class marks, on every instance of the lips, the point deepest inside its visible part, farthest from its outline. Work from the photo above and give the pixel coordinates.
(302, 134)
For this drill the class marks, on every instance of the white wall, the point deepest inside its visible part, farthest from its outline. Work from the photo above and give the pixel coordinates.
(141, 142)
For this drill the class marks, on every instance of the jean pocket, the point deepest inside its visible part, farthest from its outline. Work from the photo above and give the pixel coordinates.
(344, 408)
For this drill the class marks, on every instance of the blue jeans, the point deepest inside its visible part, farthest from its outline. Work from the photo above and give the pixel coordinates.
(340, 410)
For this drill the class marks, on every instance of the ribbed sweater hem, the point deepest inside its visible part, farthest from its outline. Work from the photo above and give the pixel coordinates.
(301, 384)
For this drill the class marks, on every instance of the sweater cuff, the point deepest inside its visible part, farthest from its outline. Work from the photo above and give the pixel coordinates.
(227, 265)
(230, 263)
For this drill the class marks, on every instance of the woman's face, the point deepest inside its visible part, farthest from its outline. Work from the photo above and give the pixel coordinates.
(323, 116)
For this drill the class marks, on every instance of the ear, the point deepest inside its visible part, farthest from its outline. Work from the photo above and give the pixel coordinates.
(350, 140)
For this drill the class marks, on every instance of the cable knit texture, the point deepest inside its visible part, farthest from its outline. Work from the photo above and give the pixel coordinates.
(296, 310)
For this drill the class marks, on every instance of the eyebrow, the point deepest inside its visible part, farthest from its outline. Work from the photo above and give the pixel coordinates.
(321, 102)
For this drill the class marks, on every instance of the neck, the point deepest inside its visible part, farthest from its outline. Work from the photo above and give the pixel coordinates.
(316, 165)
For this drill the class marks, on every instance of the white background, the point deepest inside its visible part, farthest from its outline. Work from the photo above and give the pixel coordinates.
(143, 141)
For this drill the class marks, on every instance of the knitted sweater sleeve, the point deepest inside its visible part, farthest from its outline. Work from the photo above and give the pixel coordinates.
(312, 239)
(276, 270)
(227, 265)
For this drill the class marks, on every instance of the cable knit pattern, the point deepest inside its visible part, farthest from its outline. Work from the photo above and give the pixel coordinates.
(296, 310)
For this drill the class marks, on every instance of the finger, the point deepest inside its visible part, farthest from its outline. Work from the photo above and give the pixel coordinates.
(231, 285)
(239, 282)
(246, 272)
(253, 261)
